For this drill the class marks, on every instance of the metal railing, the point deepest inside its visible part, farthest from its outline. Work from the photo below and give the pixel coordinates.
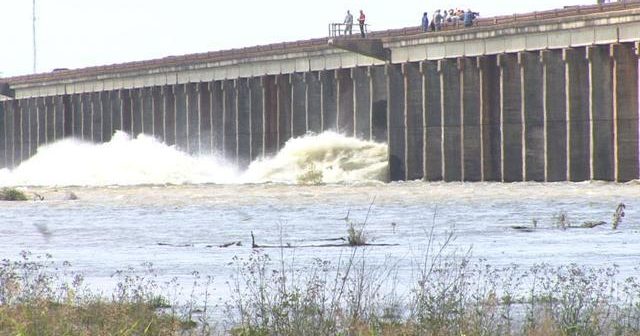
(340, 29)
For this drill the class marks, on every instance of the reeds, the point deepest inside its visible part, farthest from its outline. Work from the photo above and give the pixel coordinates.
(450, 293)
(39, 298)
(12, 194)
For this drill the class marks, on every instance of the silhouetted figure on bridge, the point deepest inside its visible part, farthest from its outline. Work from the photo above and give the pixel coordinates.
(361, 20)
(437, 20)
(348, 21)
(425, 22)
(469, 18)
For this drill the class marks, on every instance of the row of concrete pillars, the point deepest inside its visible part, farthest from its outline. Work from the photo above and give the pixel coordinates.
(241, 119)
(553, 115)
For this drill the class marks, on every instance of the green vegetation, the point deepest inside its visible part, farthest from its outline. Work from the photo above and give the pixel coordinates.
(12, 194)
(34, 300)
(311, 175)
(448, 293)
(451, 296)
(355, 231)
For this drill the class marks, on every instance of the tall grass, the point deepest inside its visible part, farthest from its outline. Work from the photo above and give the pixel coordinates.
(450, 293)
(39, 298)
(12, 194)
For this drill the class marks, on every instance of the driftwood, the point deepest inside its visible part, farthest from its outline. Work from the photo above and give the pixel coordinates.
(255, 246)
(175, 245)
(235, 243)
(592, 224)
(523, 228)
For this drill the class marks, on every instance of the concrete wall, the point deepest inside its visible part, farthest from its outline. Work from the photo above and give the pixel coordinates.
(552, 101)
(551, 115)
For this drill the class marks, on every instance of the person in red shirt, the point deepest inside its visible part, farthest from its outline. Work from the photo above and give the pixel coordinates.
(361, 21)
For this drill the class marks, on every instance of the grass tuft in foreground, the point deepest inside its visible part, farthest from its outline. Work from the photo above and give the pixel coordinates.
(448, 293)
(36, 300)
(12, 194)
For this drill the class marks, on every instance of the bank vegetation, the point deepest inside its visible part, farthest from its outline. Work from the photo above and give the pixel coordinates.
(449, 293)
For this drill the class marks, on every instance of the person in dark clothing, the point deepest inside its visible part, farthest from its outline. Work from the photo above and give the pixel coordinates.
(438, 20)
(361, 22)
(425, 22)
(469, 17)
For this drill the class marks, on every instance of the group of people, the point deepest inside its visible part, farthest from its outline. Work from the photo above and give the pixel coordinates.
(348, 23)
(448, 17)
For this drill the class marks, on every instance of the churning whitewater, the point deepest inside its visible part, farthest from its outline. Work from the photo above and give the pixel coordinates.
(325, 158)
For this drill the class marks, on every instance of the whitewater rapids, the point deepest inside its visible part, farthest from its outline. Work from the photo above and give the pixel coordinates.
(325, 158)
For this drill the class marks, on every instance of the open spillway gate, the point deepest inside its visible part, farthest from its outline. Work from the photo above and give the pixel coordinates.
(548, 96)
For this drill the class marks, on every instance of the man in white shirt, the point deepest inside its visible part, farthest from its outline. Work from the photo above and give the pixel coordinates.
(348, 21)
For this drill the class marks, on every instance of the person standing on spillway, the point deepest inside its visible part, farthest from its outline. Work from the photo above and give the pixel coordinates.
(348, 22)
(425, 22)
(361, 22)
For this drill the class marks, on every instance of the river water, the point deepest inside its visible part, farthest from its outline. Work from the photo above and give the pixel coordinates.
(140, 201)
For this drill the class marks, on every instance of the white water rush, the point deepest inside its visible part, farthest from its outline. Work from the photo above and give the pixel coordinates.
(325, 158)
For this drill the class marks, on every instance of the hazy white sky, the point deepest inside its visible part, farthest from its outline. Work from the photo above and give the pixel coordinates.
(81, 33)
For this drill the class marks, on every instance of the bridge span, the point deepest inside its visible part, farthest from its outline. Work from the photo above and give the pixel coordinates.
(545, 96)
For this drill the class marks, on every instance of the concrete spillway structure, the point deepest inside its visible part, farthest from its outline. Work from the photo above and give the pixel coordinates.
(549, 96)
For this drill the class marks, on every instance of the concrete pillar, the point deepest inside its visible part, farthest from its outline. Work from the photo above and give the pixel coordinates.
(298, 104)
(96, 118)
(345, 102)
(157, 107)
(257, 118)
(204, 107)
(126, 116)
(23, 106)
(413, 121)
(50, 113)
(49, 108)
(115, 115)
(193, 118)
(533, 114)
(432, 121)
(451, 119)
(27, 106)
(58, 117)
(601, 113)
(379, 102)
(243, 123)
(554, 104)
(491, 150)
(229, 140)
(33, 126)
(182, 112)
(217, 115)
(284, 110)
(396, 127)
(362, 102)
(3, 134)
(12, 132)
(329, 100)
(147, 111)
(43, 120)
(105, 117)
(67, 115)
(577, 82)
(625, 109)
(314, 102)
(169, 104)
(270, 95)
(136, 112)
(25, 125)
(511, 117)
(471, 129)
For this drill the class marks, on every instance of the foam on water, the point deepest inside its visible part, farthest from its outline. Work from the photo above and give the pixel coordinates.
(144, 160)
(332, 157)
